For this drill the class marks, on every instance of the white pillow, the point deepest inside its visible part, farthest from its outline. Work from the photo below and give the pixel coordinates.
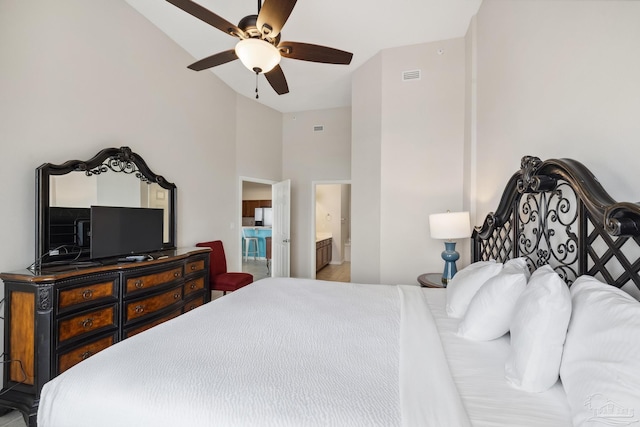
(491, 309)
(466, 283)
(600, 367)
(538, 331)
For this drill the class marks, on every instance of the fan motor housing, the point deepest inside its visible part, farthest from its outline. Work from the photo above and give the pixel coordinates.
(248, 25)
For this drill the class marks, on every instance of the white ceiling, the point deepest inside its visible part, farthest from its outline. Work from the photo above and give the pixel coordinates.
(363, 27)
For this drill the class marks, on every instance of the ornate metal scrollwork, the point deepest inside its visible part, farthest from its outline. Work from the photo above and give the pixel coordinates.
(44, 298)
(623, 219)
(547, 230)
(528, 168)
(562, 216)
(531, 180)
(122, 162)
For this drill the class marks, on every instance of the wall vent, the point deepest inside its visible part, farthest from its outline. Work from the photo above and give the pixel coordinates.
(318, 128)
(411, 75)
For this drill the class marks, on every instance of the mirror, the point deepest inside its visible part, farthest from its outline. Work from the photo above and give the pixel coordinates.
(114, 177)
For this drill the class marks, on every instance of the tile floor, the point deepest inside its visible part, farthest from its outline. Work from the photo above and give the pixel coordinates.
(257, 267)
(335, 273)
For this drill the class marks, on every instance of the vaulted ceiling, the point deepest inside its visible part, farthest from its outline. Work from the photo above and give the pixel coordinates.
(363, 27)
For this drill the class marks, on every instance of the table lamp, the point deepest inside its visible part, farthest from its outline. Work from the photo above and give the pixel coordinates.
(449, 226)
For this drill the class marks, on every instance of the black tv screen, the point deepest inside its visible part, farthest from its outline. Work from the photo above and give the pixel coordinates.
(117, 231)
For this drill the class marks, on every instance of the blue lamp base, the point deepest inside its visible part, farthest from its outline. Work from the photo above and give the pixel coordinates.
(450, 256)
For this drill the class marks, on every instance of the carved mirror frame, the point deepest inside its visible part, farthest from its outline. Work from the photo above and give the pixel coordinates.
(109, 160)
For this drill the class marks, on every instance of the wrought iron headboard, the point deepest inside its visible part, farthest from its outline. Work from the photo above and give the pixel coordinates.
(556, 212)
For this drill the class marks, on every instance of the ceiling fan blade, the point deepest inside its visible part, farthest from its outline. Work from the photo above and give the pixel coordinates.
(277, 80)
(209, 17)
(314, 53)
(214, 60)
(273, 15)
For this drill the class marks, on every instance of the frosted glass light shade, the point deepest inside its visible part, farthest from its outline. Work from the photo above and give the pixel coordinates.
(258, 55)
(450, 225)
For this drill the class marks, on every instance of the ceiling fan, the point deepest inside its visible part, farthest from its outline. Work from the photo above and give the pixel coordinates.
(260, 48)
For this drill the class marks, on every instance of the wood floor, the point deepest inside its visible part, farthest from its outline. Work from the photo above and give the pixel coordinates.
(332, 272)
(335, 273)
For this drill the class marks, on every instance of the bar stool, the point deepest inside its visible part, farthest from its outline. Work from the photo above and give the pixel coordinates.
(248, 242)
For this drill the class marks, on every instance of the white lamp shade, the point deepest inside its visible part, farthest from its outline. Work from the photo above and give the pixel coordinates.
(450, 225)
(258, 55)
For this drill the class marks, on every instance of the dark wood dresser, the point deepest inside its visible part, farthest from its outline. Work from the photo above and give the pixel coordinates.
(57, 318)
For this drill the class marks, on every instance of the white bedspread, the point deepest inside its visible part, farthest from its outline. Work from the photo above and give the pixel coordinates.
(295, 352)
(280, 352)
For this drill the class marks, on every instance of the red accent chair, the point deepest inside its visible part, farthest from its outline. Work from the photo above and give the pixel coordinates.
(219, 278)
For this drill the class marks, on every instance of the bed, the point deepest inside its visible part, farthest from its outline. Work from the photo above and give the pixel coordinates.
(300, 352)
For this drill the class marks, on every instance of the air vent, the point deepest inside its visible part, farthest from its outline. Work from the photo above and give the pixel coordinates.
(410, 75)
(318, 128)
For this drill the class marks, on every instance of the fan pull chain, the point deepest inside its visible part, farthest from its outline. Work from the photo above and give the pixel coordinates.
(257, 97)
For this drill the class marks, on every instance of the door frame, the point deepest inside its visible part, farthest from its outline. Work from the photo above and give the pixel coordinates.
(242, 180)
(312, 233)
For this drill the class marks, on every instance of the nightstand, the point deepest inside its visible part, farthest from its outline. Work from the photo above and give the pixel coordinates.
(431, 280)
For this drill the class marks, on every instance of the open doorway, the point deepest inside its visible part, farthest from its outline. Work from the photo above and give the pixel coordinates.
(256, 229)
(332, 231)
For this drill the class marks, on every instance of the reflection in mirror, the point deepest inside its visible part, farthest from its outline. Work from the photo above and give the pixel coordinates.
(65, 193)
(76, 190)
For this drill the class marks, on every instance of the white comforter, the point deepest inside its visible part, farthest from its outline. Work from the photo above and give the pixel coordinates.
(292, 352)
(280, 352)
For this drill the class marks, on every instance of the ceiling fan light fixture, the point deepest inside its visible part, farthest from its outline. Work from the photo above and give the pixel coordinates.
(258, 55)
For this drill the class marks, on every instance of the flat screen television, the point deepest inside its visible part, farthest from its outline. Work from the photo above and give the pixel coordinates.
(119, 231)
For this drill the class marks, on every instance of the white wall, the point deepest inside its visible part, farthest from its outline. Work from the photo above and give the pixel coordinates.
(258, 156)
(312, 156)
(558, 79)
(256, 191)
(259, 140)
(366, 146)
(420, 139)
(80, 76)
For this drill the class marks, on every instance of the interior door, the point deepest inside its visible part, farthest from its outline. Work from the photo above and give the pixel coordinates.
(281, 199)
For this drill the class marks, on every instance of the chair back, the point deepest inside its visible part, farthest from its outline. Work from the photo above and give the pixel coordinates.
(217, 259)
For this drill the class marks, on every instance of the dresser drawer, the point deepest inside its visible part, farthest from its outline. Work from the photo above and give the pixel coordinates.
(73, 357)
(147, 306)
(194, 266)
(194, 303)
(86, 322)
(87, 293)
(193, 285)
(140, 283)
(133, 331)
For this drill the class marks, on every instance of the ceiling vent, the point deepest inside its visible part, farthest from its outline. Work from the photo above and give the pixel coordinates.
(318, 128)
(411, 75)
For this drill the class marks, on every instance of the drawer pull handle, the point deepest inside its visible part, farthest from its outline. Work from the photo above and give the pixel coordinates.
(191, 307)
(87, 294)
(176, 295)
(139, 308)
(87, 323)
(193, 285)
(139, 284)
(86, 355)
(193, 267)
(176, 274)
